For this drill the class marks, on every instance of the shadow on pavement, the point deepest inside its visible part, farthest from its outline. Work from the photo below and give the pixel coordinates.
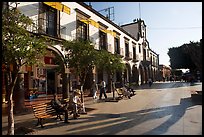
(111, 124)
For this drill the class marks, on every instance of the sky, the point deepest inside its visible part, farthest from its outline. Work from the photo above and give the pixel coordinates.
(169, 24)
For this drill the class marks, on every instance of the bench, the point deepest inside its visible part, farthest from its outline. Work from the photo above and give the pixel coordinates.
(44, 110)
(120, 92)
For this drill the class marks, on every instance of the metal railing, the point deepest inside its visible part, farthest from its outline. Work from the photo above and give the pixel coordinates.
(40, 25)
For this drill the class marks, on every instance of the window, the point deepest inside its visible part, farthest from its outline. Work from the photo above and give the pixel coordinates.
(102, 40)
(144, 54)
(50, 20)
(126, 49)
(139, 48)
(82, 30)
(117, 45)
(147, 53)
(134, 53)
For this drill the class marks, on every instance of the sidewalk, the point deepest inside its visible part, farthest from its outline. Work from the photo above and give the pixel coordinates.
(27, 119)
(154, 111)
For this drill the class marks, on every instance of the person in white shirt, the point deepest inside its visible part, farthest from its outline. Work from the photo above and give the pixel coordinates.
(75, 103)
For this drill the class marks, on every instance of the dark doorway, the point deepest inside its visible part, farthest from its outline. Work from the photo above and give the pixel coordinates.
(50, 81)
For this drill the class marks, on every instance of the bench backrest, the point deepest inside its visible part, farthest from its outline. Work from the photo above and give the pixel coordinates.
(119, 91)
(42, 109)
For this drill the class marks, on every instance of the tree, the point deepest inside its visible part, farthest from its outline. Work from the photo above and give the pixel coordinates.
(20, 48)
(111, 63)
(194, 50)
(179, 59)
(81, 56)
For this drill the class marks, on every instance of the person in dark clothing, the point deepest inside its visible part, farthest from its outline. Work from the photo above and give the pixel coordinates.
(60, 108)
(103, 89)
(150, 82)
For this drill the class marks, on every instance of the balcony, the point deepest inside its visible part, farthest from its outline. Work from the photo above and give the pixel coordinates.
(40, 26)
(128, 56)
(136, 59)
(103, 46)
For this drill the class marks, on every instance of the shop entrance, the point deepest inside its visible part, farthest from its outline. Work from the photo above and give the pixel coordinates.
(51, 88)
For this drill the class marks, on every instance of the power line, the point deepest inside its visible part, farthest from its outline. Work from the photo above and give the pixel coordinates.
(175, 28)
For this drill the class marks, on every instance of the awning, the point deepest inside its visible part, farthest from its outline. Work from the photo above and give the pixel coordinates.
(96, 24)
(59, 6)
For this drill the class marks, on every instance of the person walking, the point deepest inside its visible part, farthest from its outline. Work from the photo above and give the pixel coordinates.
(103, 89)
(94, 89)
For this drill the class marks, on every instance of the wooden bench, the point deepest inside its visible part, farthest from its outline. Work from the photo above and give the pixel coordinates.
(120, 92)
(44, 110)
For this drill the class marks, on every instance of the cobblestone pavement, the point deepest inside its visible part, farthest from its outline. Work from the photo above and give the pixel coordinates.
(163, 109)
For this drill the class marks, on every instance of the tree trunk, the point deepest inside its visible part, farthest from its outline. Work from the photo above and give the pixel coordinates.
(82, 100)
(109, 84)
(19, 95)
(10, 116)
(10, 107)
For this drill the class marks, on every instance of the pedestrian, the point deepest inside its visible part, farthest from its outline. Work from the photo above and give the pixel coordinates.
(60, 108)
(103, 89)
(75, 103)
(150, 82)
(94, 89)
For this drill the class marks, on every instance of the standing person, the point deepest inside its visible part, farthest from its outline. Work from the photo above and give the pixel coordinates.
(95, 89)
(150, 82)
(103, 89)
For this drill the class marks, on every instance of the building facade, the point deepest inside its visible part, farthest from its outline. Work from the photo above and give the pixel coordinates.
(164, 73)
(73, 20)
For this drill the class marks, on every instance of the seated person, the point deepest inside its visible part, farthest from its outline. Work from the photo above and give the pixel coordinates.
(59, 107)
(75, 103)
(126, 93)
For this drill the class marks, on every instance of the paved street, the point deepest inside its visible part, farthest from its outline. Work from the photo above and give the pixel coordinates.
(164, 109)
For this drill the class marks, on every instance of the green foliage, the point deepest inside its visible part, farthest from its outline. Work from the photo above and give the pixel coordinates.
(81, 56)
(194, 50)
(18, 45)
(180, 59)
(109, 62)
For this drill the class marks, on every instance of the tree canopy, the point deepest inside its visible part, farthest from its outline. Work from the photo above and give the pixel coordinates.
(19, 48)
(109, 62)
(80, 56)
(187, 56)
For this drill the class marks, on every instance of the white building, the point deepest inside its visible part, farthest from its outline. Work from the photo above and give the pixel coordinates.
(72, 20)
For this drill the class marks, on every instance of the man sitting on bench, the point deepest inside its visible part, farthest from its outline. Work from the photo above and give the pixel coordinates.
(60, 108)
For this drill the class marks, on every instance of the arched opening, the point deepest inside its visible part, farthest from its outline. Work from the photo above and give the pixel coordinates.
(141, 75)
(135, 75)
(48, 78)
